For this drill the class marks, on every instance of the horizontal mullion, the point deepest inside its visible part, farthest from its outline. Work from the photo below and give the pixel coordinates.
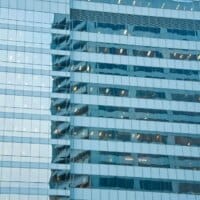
(168, 127)
(134, 60)
(136, 172)
(134, 102)
(135, 40)
(135, 81)
(91, 194)
(33, 165)
(131, 147)
(127, 9)
(14, 189)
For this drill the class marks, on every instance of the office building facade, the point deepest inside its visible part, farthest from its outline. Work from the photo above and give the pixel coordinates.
(100, 99)
(26, 72)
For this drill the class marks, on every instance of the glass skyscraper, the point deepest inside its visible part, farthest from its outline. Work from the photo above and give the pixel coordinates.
(27, 29)
(99, 100)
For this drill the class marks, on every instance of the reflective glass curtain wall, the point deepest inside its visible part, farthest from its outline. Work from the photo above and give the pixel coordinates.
(27, 28)
(134, 100)
(101, 100)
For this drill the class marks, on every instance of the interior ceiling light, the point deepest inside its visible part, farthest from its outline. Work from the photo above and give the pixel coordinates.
(88, 68)
(149, 53)
(177, 7)
(128, 158)
(75, 88)
(163, 5)
(91, 133)
(107, 90)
